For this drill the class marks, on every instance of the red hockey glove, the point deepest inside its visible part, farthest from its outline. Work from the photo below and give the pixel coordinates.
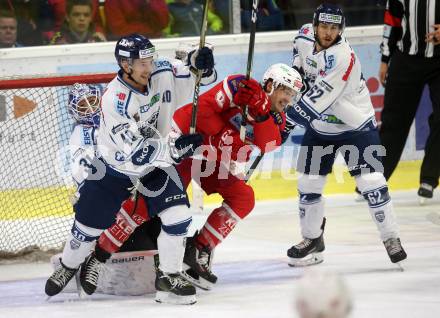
(250, 93)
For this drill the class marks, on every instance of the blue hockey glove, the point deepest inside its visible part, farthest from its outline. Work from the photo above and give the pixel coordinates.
(185, 146)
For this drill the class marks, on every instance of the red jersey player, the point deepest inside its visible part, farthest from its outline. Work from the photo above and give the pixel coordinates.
(218, 121)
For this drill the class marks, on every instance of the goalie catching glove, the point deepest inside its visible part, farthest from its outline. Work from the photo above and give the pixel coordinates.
(251, 94)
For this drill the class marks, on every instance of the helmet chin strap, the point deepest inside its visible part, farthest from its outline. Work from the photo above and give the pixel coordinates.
(129, 75)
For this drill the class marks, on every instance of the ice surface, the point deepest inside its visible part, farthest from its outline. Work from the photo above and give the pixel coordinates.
(254, 279)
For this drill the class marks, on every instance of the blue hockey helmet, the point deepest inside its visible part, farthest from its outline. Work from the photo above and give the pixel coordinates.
(84, 104)
(134, 46)
(329, 13)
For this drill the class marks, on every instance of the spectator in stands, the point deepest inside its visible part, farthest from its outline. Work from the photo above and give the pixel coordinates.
(31, 20)
(78, 26)
(269, 16)
(187, 16)
(8, 30)
(146, 17)
(58, 11)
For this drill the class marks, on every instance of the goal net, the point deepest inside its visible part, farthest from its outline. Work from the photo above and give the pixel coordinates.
(35, 182)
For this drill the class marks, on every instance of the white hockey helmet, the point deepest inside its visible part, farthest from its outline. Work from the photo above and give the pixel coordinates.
(322, 294)
(283, 74)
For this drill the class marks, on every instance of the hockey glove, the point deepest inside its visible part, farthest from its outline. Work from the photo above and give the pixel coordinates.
(202, 59)
(290, 125)
(184, 146)
(251, 93)
(277, 118)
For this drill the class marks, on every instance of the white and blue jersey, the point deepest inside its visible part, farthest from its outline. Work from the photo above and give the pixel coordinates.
(82, 145)
(337, 100)
(130, 119)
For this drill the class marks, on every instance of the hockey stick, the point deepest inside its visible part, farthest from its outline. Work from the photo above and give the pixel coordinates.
(249, 63)
(253, 167)
(203, 27)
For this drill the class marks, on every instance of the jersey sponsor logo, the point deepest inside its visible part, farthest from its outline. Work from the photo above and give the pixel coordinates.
(311, 62)
(330, 18)
(175, 197)
(330, 62)
(119, 156)
(146, 154)
(325, 85)
(331, 119)
(128, 259)
(119, 128)
(305, 30)
(153, 100)
(86, 137)
(120, 103)
(302, 112)
(236, 122)
(220, 99)
(163, 64)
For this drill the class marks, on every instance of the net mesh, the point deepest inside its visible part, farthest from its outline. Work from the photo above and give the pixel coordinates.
(35, 182)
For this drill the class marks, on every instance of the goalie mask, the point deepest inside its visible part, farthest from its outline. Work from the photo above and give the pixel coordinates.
(282, 75)
(84, 104)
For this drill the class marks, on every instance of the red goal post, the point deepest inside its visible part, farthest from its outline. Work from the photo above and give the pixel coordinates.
(35, 184)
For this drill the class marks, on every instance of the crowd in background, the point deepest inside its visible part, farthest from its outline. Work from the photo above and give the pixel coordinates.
(42, 22)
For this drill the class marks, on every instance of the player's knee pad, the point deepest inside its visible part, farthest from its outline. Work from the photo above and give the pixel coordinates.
(373, 187)
(176, 220)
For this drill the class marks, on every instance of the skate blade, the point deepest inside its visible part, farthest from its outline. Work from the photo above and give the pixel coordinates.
(81, 293)
(422, 201)
(313, 259)
(170, 298)
(359, 198)
(199, 282)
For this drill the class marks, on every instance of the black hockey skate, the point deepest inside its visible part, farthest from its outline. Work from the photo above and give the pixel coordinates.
(59, 279)
(198, 265)
(91, 269)
(308, 251)
(395, 250)
(426, 191)
(174, 289)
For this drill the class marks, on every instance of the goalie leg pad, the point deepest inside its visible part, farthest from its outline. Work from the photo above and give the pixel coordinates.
(79, 244)
(374, 188)
(311, 204)
(132, 214)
